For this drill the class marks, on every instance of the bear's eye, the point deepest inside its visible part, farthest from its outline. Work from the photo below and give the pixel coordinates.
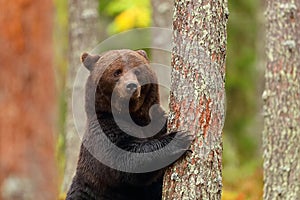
(137, 72)
(117, 72)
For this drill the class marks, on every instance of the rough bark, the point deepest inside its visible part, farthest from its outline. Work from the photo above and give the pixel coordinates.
(83, 36)
(27, 99)
(282, 101)
(197, 97)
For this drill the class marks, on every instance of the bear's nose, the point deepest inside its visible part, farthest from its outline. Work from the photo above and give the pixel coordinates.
(131, 87)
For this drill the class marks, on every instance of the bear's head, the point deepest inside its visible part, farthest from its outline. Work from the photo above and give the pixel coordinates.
(120, 81)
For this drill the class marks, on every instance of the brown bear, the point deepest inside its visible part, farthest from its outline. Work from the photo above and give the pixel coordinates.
(125, 148)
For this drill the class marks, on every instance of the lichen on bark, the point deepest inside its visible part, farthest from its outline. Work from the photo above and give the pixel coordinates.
(197, 97)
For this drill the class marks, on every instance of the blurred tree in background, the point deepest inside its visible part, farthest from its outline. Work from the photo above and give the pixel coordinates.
(27, 101)
(83, 36)
(162, 12)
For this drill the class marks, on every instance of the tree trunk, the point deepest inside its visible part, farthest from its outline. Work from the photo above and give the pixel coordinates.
(27, 99)
(83, 35)
(198, 97)
(162, 17)
(282, 101)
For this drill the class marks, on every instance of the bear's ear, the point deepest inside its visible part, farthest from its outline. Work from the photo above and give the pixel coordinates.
(142, 53)
(89, 60)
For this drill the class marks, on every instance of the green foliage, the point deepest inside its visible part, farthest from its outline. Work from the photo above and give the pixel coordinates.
(126, 14)
(60, 63)
(242, 77)
(241, 173)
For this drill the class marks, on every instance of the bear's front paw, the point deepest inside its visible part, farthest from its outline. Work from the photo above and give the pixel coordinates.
(182, 140)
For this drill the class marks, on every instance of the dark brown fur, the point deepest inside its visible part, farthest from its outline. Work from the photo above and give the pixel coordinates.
(114, 71)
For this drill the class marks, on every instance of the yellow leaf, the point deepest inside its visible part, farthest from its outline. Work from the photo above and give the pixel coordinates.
(134, 17)
(229, 195)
